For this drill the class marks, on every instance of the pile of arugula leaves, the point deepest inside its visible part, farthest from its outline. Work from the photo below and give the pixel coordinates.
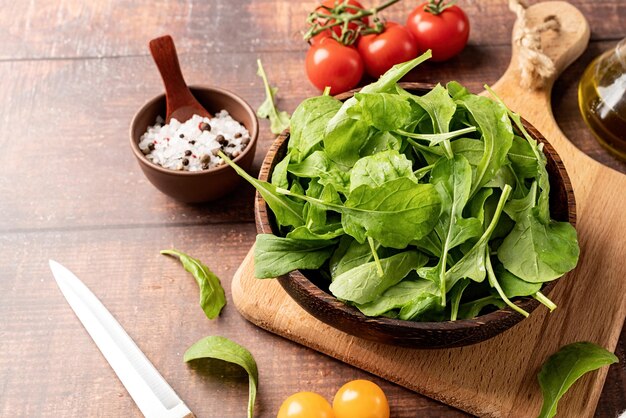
(408, 203)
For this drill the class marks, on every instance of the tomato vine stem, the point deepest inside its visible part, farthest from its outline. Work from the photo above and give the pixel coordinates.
(326, 18)
(437, 6)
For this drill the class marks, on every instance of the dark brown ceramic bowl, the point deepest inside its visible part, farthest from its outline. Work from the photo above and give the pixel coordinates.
(196, 186)
(310, 290)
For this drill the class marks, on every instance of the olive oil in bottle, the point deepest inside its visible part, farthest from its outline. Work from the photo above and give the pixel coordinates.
(602, 99)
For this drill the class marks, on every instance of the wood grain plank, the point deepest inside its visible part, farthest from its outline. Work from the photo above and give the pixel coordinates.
(73, 28)
(51, 368)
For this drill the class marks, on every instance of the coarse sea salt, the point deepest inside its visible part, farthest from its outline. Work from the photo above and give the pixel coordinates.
(194, 144)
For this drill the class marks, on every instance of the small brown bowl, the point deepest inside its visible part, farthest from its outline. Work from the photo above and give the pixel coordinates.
(310, 290)
(196, 186)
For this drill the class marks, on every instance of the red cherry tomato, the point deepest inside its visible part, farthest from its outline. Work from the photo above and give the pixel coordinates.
(382, 51)
(334, 3)
(329, 63)
(322, 35)
(445, 33)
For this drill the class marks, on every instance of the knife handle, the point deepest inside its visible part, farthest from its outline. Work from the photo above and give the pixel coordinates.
(189, 415)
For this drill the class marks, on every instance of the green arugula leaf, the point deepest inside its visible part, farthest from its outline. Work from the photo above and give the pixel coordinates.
(496, 134)
(439, 106)
(472, 265)
(308, 125)
(419, 307)
(453, 179)
(379, 142)
(279, 121)
(287, 211)
(456, 90)
(562, 369)
(536, 252)
(318, 165)
(472, 309)
(349, 254)
(345, 135)
(398, 296)
(540, 158)
(512, 285)
(456, 293)
(327, 232)
(493, 281)
(212, 298)
(393, 214)
(279, 174)
(384, 111)
(363, 283)
(387, 82)
(315, 216)
(275, 256)
(377, 169)
(222, 348)
(522, 158)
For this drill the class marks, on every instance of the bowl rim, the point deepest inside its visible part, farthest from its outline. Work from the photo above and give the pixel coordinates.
(332, 303)
(254, 133)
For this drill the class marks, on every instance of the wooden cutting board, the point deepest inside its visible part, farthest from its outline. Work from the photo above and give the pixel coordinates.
(497, 378)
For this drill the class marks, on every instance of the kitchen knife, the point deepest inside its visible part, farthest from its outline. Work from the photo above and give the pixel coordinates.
(154, 397)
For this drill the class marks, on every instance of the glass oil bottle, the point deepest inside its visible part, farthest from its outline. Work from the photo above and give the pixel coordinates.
(602, 99)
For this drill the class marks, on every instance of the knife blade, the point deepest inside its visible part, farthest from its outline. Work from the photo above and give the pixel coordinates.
(152, 394)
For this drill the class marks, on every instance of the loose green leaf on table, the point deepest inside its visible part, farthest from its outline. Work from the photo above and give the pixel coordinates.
(279, 120)
(222, 348)
(562, 369)
(212, 298)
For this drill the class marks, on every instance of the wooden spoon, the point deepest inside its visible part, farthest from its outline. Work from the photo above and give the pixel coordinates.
(181, 105)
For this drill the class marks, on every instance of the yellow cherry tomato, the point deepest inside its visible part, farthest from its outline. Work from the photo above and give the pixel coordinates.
(360, 399)
(305, 405)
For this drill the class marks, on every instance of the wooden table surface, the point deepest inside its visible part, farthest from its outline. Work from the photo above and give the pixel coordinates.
(72, 75)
